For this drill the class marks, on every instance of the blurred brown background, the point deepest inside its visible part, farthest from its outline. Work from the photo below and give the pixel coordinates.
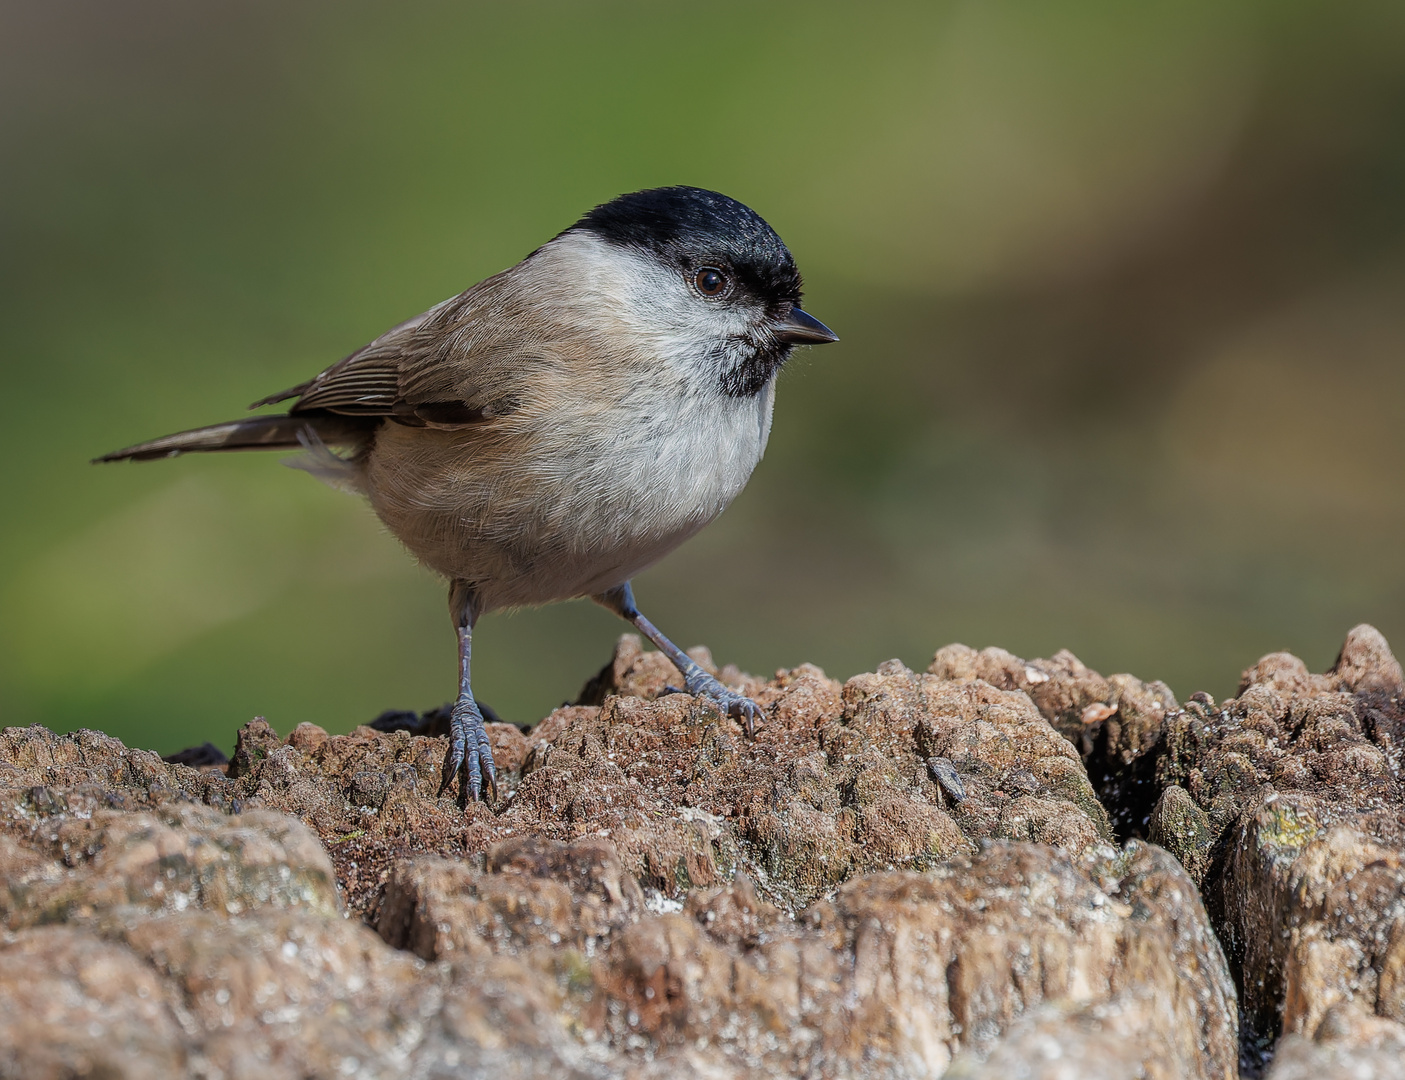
(1121, 290)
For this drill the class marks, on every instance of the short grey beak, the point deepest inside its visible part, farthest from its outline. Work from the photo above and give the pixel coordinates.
(798, 328)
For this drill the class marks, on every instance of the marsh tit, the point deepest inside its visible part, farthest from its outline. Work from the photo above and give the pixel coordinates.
(560, 426)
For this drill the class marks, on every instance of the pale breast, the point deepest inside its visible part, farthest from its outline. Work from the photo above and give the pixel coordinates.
(570, 501)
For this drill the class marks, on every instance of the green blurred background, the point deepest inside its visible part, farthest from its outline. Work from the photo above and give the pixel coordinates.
(1121, 289)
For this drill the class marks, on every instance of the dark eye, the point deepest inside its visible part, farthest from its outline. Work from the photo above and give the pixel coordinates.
(710, 281)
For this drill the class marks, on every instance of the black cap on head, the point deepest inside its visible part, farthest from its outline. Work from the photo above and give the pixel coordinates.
(689, 227)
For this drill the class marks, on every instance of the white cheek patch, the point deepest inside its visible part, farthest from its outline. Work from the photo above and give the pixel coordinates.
(651, 309)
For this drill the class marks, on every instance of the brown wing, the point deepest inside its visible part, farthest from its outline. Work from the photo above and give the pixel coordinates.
(365, 383)
(395, 375)
(478, 355)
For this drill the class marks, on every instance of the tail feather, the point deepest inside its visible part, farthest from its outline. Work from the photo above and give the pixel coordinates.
(255, 433)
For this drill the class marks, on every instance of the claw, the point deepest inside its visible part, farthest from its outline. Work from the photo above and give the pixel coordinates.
(484, 757)
(747, 711)
(735, 705)
(470, 756)
(453, 760)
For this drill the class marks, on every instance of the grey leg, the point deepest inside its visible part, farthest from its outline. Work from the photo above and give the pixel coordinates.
(469, 754)
(696, 681)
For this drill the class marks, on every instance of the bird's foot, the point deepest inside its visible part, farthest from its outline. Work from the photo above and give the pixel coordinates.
(470, 757)
(700, 684)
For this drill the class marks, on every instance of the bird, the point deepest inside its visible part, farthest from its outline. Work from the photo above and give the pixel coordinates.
(560, 426)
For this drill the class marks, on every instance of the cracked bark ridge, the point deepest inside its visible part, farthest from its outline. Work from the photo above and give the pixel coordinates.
(1285, 804)
(837, 784)
(902, 873)
(1115, 722)
(1300, 838)
(657, 895)
(886, 978)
